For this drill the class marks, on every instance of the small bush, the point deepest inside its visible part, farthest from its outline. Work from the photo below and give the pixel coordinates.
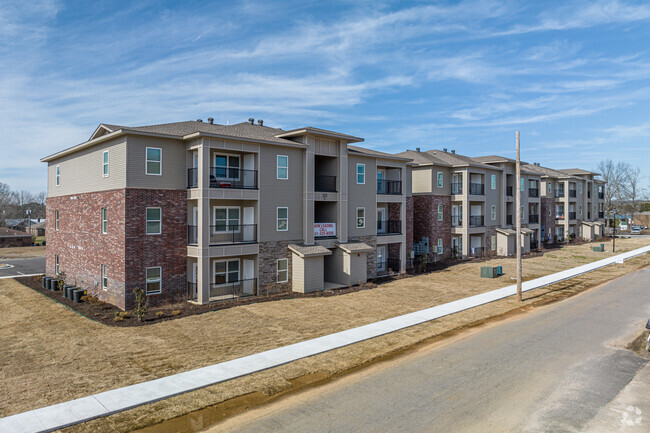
(118, 319)
(140, 304)
(125, 314)
(176, 312)
(160, 314)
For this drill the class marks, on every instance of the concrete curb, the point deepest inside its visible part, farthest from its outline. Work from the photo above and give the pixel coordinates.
(72, 412)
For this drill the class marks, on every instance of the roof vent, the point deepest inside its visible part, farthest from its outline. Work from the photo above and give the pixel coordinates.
(251, 121)
(199, 120)
(453, 151)
(445, 150)
(210, 120)
(417, 149)
(260, 122)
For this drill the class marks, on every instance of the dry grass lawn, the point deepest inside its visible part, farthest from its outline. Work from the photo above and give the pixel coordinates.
(21, 252)
(50, 354)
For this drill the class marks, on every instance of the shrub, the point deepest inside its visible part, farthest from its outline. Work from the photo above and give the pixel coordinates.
(118, 319)
(140, 304)
(160, 313)
(176, 312)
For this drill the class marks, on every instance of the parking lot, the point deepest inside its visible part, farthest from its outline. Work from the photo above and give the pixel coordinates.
(21, 267)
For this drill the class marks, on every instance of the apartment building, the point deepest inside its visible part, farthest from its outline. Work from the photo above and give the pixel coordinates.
(200, 211)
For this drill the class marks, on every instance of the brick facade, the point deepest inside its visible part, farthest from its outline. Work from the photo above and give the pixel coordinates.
(268, 256)
(409, 230)
(372, 256)
(547, 221)
(426, 224)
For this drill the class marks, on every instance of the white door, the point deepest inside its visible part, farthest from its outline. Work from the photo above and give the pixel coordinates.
(248, 277)
(381, 220)
(381, 258)
(249, 171)
(194, 235)
(249, 224)
(194, 279)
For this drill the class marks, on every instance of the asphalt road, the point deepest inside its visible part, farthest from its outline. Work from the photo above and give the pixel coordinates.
(550, 370)
(22, 267)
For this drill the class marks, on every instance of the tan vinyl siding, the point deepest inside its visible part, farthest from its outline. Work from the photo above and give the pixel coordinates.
(174, 163)
(81, 172)
(362, 195)
(297, 273)
(422, 180)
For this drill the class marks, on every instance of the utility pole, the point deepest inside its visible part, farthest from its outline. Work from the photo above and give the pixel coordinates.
(614, 236)
(518, 216)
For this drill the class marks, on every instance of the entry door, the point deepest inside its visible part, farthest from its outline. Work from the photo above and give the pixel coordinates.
(381, 220)
(249, 171)
(381, 258)
(194, 279)
(248, 277)
(249, 224)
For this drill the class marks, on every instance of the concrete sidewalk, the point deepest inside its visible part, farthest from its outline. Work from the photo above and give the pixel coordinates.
(117, 400)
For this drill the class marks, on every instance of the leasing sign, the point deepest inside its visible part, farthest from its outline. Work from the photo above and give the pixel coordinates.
(324, 229)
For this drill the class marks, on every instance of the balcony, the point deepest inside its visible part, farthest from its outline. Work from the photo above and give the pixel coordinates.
(324, 183)
(509, 191)
(457, 188)
(192, 235)
(601, 214)
(573, 193)
(509, 220)
(477, 251)
(389, 227)
(572, 215)
(476, 189)
(588, 193)
(476, 221)
(533, 219)
(559, 217)
(393, 187)
(222, 177)
(192, 177)
(233, 289)
(559, 193)
(533, 192)
(226, 234)
(387, 267)
(456, 221)
(601, 195)
(191, 291)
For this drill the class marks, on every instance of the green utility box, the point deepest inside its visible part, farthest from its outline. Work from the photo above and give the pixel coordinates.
(499, 270)
(599, 249)
(488, 272)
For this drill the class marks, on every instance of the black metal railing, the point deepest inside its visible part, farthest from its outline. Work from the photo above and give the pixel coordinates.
(572, 215)
(389, 227)
(509, 219)
(509, 191)
(533, 192)
(601, 195)
(456, 221)
(223, 177)
(533, 219)
(588, 215)
(192, 177)
(324, 183)
(233, 233)
(601, 214)
(573, 193)
(588, 193)
(192, 235)
(476, 221)
(476, 189)
(233, 289)
(389, 186)
(388, 266)
(457, 188)
(191, 291)
(559, 193)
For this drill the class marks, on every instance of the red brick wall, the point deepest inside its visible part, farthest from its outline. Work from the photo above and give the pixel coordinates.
(409, 229)
(544, 219)
(426, 224)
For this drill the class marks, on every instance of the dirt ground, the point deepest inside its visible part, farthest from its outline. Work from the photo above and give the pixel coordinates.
(22, 252)
(51, 354)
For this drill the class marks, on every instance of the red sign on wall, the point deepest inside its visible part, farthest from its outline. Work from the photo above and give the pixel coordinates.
(324, 229)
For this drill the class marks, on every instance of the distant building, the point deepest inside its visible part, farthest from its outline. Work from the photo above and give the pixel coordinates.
(14, 238)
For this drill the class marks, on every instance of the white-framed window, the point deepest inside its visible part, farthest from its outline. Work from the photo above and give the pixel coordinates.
(58, 175)
(361, 174)
(282, 218)
(104, 221)
(493, 181)
(522, 212)
(440, 246)
(440, 212)
(56, 264)
(153, 163)
(105, 163)
(226, 219)
(440, 179)
(549, 187)
(580, 209)
(361, 217)
(56, 219)
(282, 270)
(522, 184)
(493, 212)
(225, 272)
(282, 167)
(551, 213)
(226, 166)
(104, 270)
(154, 280)
(154, 220)
(493, 243)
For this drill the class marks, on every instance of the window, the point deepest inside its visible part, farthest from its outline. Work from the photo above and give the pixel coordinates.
(440, 246)
(361, 174)
(226, 219)
(104, 277)
(226, 167)
(361, 217)
(580, 188)
(226, 271)
(58, 175)
(153, 220)
(493, 243)
(282, 219)
(549, 187)
(56, 264)
(549, 212)
(522, 212)
(56, 219)
(579, 209)
(493, 181)
(104, 221)
(283, 167)
(493, 212)
(154, 280)
(283, 270)
(153, 164)
(105, 163)
(440, 212)
(440, 179)
(522, 184)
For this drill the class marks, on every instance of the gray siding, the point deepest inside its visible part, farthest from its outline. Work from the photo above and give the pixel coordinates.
(174, 161)
(362, 195)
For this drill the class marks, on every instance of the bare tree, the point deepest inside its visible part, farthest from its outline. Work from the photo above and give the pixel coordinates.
(632, 190)
(614, 175)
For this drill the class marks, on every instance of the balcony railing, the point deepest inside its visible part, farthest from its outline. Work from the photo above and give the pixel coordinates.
(572, 215)
(601, 214)
(533, 219)
(476, 189)
(476, 251)
(457, 188)
(389, 227)
(509, 191)
(389, 186)
(456, 221)
(192, 235)
(325, 183)
(559, 193)
(476, 221)
(588, 215)
(588, 193)
(191, 291)
(533, 192)
(222, 177)
(388, 266)
(509, 219)
(572, 193)
(601, 195)
(559, 216)
(233, 234)
(233, 289)
(192, 177)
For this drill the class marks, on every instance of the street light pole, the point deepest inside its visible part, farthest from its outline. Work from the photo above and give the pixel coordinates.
(614, 235)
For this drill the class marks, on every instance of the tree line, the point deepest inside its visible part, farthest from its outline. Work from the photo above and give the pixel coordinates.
(14, 204)
(623, 191)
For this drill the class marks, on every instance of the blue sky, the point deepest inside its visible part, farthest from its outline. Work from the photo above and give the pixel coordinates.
(573, 77)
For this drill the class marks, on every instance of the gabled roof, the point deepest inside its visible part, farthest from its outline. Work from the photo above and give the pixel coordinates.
(549, 172)
(422, 158)
(375, 153)
(5, 232)
(458, 160)
(319, 131)
(578, 172)
(496, 159)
